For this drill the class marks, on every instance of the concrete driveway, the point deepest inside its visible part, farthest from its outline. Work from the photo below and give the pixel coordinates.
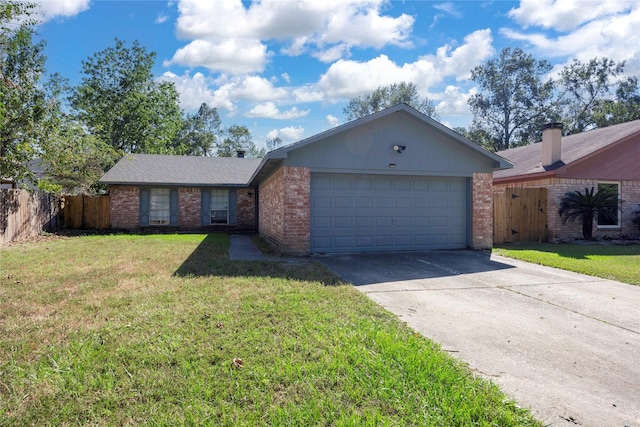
(563, 344)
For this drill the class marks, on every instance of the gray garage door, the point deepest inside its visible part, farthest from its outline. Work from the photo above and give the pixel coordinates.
(360, 213)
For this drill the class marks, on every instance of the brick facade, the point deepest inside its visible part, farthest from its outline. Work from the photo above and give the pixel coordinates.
(482, 211)
(558, 187)
(285, 209)
(189, 201)
(124, 206)
(125, 209)
(246, 209)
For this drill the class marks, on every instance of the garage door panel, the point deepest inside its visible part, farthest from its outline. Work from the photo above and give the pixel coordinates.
(403, 202)
(382, 184)
(375, 213)
(343, 202)
(402, 185)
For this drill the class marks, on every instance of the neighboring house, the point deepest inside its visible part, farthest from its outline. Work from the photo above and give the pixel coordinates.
(604, 157)
(394, 180)
(36, 167)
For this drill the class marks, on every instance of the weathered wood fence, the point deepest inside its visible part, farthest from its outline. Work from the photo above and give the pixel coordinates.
(90, 212)
(24, 215)
(520, 215)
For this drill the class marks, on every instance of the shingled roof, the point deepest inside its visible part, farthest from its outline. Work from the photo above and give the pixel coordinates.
(156, 169)
(527, 160)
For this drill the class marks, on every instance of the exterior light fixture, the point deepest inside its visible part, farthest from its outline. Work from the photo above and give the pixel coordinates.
(399, 148)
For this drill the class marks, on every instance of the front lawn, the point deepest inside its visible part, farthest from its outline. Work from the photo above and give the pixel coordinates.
(165, 330)
(613, 262)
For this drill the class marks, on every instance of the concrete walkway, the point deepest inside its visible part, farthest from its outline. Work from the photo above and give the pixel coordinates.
(242, 248)
(565, 345)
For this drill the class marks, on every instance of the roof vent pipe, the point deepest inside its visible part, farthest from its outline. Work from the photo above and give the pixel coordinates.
(240, 154)
(551, 143)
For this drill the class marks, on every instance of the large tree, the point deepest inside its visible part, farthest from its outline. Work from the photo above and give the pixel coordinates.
(200, 133)
(23, 102)
(238, 138)
(388, 96)
(584, 88)
(123, 105)
(514, 99)
(625, 107)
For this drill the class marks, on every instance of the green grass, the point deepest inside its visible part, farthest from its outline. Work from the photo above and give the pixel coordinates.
(613, 262)
(129, 330)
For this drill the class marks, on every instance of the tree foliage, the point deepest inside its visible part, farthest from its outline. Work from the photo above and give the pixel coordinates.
(625, 107)
(584, 88)
(514, 99)
(388, 96)
(121, 103)
(273, 143)
(238, 138)
(23, 103)
(584, 207)
(74, 160)
(200, 133)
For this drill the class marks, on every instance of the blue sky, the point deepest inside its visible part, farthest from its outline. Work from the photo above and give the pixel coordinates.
(287, 68)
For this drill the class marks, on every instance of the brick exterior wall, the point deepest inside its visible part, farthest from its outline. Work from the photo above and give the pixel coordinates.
(558, 187)
(189, 201)
(285, 209)
(482, 211)
(124, 206)
(125, 209)
(246, 209)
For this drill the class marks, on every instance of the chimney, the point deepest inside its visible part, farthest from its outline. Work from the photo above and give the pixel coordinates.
(551, 139)
(240, 154)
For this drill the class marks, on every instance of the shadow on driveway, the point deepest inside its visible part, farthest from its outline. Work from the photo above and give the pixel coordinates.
(372, 268)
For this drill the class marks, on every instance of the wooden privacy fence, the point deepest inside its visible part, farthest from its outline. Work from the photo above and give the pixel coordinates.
(24, 214)
(520, 215)
(86, 212)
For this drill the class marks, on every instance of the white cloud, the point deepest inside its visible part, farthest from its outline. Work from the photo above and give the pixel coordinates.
(613, 36)
(287, 134)
(453, 102)
(270, 111)
(332, 121)
(286, 77)
(563, 15)
(308, 94)
(345, 79)
(258, 89)
(233, 56)
(449, 8)
(162, 18)
(229, 37)
(196, 89)
(54, 9)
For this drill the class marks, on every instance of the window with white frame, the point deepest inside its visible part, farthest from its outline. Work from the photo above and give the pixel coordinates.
(612, 221)
(159, 205)
(219, 206)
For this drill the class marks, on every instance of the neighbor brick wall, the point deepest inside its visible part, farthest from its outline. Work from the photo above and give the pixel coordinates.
(124, 206)
(189, 207)
(482, 211)
(285, 209)
(558, 187)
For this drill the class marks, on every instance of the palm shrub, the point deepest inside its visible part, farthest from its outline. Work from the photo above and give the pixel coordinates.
(584, 207)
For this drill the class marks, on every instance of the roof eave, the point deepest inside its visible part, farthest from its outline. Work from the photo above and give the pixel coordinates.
(173, 184)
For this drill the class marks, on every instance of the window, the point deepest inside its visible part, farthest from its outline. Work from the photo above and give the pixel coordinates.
(614, 220)
(159, 206)
(219, 206)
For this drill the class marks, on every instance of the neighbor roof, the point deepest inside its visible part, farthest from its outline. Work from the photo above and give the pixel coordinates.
(273, 158)
(157, 169)
(527, 160)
